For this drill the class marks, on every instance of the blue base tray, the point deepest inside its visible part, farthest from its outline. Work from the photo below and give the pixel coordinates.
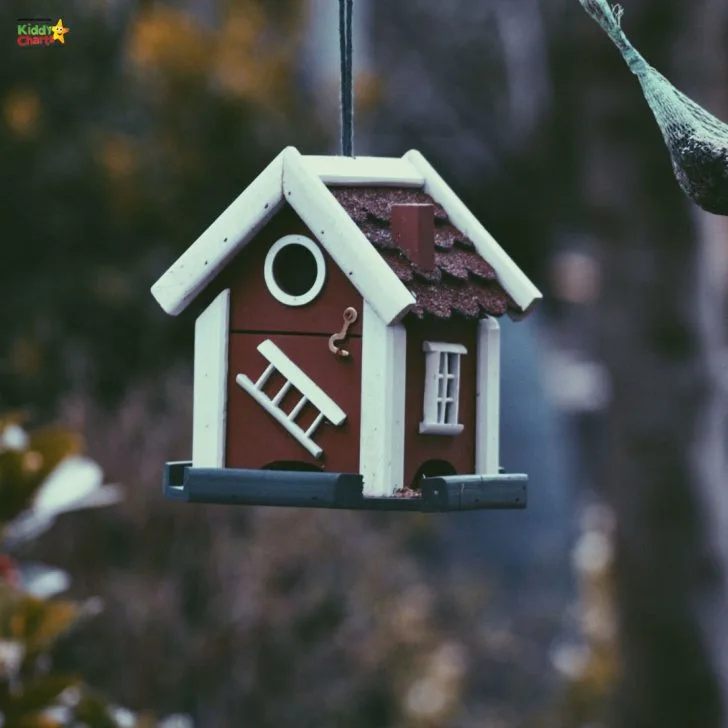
(295, 489)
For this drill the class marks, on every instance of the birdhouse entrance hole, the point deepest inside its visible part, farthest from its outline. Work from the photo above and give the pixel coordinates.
(431, 469)
(295, 270)
(293, 465)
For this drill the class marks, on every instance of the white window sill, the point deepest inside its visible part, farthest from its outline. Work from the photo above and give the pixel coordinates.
(433, 428)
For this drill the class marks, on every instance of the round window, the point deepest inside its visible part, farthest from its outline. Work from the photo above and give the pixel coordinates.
(295, 270)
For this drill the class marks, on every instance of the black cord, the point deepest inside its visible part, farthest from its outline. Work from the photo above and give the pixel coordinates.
(346, 12)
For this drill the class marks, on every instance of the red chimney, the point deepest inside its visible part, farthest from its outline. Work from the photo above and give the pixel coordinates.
(413, 231)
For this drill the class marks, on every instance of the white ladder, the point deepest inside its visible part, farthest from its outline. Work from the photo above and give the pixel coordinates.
(310, 392)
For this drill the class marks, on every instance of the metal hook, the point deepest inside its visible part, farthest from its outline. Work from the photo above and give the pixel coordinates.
(350, 317)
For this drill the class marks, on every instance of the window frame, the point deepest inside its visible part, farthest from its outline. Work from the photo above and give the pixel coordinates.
(441, 405)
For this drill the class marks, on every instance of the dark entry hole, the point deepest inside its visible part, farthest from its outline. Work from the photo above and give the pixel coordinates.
(432, 469)
(295, 465)
(294, 269)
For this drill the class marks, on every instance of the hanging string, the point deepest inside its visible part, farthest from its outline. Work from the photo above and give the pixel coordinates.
(346, 8)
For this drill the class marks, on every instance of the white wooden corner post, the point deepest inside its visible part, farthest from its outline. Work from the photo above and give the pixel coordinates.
(210, 394)
(381, 450)
(487, 410)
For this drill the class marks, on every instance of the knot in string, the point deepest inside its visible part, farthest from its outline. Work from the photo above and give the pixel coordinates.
(696, 140)
(610, 19)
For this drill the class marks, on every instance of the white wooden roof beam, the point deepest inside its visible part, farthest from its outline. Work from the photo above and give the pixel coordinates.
(363, 171)
(230, 232)
(344, 241)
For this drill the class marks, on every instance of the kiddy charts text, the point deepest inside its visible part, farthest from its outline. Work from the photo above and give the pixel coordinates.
(40, 32)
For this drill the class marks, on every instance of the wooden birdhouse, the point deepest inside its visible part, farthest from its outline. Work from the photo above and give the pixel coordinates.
(347, 349)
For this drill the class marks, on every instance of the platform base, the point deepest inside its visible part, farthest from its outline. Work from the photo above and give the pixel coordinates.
(296, 489)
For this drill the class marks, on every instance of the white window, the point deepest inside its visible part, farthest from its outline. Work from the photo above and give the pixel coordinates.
(442, 388)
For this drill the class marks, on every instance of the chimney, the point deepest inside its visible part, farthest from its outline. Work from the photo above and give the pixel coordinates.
(413, 231)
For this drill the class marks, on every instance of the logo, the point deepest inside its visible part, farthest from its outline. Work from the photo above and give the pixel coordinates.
(40, 31)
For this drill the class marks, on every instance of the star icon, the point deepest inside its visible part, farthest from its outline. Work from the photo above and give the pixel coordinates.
(59, 31)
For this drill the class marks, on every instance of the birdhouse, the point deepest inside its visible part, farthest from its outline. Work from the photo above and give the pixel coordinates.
(347, 346)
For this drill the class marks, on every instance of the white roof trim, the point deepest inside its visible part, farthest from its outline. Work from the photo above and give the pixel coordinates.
(344, 241)
(211, 252)
(362, 171)
(301, 181)
(515, 282)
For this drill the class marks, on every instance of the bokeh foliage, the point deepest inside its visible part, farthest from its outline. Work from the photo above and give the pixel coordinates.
(33, 692)
(118, 149)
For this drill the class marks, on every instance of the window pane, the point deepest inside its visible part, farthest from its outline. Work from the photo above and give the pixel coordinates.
(432, 386)
(442, 377)
(452, 364)
(453, 389)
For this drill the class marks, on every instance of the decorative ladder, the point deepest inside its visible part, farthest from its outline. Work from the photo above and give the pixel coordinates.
(310, 392)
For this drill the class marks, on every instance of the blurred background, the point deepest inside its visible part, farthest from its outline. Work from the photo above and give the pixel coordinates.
(603, 604)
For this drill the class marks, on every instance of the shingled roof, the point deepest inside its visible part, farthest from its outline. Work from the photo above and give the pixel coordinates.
(347, 203)
(462, 283)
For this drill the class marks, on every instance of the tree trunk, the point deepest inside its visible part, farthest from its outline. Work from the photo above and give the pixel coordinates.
(663, 333)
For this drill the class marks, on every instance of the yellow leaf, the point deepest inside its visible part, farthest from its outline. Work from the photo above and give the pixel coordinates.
(15, 417)
(38, 623)
(369, 90)
(54, 444)
(36, 721)
(58, 617)
(22, 472)
(17, 484)
(22, 110)
(170, 41)
(119, 156)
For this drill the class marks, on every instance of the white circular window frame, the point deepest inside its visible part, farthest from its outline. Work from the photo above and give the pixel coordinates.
(270, 280)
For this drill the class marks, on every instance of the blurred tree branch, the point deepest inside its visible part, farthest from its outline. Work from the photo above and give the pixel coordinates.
(668, 434)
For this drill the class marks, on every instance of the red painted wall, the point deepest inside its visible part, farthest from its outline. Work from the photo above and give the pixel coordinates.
(253, 438)
(254, 309)
(459, 450)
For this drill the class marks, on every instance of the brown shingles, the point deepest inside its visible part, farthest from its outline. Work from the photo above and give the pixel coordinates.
(446, 235)
(453, 265)
(380, 236)
(480, 269)
(399, 264)
(462, 283)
